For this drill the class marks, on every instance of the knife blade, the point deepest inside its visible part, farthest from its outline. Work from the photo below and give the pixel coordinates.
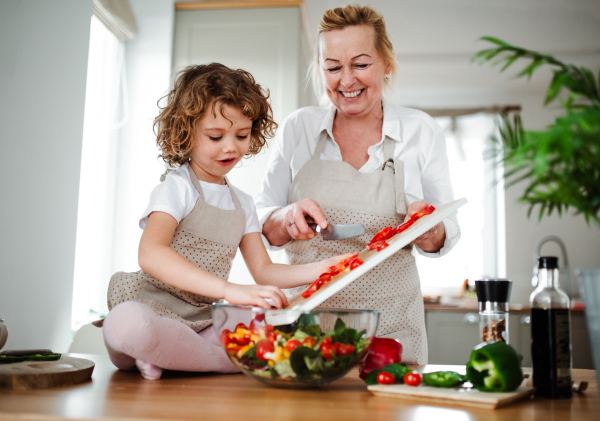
(338, 231)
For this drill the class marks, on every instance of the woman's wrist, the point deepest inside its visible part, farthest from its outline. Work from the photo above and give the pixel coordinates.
(434, 243)
(274, 228)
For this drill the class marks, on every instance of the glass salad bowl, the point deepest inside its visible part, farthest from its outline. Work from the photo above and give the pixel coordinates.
(285, 348)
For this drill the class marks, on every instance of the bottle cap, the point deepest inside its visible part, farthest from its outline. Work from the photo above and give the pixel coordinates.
(495, 290)
(548, 262)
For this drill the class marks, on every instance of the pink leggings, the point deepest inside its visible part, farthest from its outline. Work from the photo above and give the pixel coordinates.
(133, 331)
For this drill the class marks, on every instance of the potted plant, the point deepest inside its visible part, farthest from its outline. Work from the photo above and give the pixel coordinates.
(562, 162)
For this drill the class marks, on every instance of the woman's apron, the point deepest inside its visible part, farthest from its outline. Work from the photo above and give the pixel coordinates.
(376, 200)
(209, 238)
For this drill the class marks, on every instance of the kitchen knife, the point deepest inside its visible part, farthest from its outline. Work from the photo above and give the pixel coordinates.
(339, 231)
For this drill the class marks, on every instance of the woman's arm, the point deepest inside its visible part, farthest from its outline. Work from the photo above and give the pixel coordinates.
(159, 260)
(265, 272)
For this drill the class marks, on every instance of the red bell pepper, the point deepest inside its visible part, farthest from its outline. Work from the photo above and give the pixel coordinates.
(383, 351)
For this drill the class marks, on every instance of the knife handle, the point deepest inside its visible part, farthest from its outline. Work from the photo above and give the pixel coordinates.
(315, 227)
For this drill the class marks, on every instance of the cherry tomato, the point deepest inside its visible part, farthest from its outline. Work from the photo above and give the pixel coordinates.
(309, 342)
(412, 379)
(355, 263)
(293, 344)
(240, 326)
(262, 348)
(344, 349)
(326, 340)
(328, 350)
(385, 378)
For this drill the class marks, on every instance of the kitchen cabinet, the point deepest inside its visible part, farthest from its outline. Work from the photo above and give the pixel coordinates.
(452, 334)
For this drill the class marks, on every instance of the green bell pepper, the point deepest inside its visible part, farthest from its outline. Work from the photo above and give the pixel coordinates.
(9, 359)
(444, 379)
(495, 367)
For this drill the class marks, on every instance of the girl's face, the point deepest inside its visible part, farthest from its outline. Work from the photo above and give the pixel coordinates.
(220, 142)
(353, 71)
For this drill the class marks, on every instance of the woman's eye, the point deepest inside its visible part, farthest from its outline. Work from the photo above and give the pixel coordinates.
(361, 66)
(333, 69)
(215, 138)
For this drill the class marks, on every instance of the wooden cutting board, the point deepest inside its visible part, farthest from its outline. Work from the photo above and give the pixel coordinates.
(453, 396)
(43, 374)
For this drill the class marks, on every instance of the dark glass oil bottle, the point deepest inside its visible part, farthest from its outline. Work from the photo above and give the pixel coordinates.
(550, 334)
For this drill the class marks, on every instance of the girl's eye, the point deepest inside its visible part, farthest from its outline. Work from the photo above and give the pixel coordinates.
(243, 137)
(215, 138)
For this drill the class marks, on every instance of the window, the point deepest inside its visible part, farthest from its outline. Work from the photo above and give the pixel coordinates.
(480, 251)
(103, 116)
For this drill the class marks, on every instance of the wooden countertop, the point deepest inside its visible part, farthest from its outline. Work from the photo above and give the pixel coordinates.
(114, 394)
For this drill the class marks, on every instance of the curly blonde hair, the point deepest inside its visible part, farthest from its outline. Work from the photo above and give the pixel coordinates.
(194, 90)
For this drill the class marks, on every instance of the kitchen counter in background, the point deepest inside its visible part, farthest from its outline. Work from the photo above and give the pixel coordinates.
(114, 394)
(453, 331)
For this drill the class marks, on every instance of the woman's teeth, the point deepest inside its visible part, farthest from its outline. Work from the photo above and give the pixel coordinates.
(351, 94)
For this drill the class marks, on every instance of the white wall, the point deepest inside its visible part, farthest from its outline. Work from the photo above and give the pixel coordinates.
(44, 50)
(434, 41)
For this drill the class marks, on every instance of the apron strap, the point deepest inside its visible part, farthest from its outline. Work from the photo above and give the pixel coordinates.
(398, 168)
(236, 201)
(320, 145)
(195, 182)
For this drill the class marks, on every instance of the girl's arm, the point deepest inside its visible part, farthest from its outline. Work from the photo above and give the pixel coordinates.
(159, 260)
(265, 272)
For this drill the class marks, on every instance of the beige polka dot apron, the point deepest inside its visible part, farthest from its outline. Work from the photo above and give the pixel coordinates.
(376, 200)
(209, 238)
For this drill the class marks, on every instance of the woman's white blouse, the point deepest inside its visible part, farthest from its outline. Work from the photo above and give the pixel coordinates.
(419, 143)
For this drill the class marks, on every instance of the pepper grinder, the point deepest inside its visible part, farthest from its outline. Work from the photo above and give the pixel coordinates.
(493, 295)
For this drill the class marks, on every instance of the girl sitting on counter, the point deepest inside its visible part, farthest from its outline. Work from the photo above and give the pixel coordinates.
(160, 316)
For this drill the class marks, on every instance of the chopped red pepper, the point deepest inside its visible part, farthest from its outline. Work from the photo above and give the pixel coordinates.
(355, 263)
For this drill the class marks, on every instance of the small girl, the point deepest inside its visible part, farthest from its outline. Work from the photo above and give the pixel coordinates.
(160, 316)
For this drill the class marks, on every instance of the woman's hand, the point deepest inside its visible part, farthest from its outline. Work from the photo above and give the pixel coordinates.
(255, 295)
(432, 240)
(291, 222)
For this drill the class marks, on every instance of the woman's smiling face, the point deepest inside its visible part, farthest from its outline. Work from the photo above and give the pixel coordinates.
(353, 71)
(221, 140)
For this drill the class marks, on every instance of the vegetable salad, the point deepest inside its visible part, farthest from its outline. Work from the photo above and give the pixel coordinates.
(297, 352)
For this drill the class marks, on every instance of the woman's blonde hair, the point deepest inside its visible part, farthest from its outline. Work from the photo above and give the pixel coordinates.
(194, 90)
(355, 15)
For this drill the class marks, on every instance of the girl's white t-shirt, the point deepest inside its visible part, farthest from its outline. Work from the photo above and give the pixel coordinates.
(177, 196)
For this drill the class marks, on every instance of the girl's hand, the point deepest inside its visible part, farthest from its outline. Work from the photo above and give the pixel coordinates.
(432, 240)
(323, 266)
(255, 295)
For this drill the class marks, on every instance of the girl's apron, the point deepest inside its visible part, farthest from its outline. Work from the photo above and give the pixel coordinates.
(209, 238)
(376, 200)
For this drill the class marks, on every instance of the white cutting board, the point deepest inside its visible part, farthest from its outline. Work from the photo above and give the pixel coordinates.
(299, 304)
(452, 396)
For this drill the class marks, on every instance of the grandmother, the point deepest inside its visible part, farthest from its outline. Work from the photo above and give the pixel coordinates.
(360, 160)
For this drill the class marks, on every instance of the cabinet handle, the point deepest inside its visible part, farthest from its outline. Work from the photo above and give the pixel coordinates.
(471, 318)
(526, 319)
